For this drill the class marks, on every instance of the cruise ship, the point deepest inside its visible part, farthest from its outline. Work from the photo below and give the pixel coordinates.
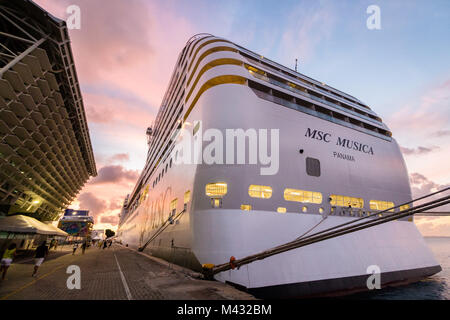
(322, 158)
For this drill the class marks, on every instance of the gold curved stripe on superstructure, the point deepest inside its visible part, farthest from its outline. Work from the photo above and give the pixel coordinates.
(206, 53)
(224, 79)
(212, 64)
(201, 46)
(195, 42)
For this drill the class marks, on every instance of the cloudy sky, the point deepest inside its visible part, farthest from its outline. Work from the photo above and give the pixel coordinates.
(126, 49)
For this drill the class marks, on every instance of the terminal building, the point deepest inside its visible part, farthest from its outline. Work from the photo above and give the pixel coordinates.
(45, 150)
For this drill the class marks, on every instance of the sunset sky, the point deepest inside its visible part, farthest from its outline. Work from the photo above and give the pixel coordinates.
(125, 52)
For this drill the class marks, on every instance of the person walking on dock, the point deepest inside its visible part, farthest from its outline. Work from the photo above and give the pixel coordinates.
(83, 247)
(7, 259)
(41, 254)
(75, 247)
(53, 244)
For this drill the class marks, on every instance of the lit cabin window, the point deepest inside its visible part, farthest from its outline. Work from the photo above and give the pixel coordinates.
(302, 196)
(304, 209)
(254, 70)
(187, 196)
(404, 207)
(218, 189)
(381, 205)
(344, 201)
(246, 207)
(281, 210)
(216, 202)
(173, 205)
(256, 191)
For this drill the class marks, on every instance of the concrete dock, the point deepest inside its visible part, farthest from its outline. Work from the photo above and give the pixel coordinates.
(115, 273)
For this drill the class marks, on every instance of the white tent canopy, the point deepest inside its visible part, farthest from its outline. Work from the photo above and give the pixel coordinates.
(25, 224)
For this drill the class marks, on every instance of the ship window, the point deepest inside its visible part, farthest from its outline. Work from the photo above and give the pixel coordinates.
(381, 205)
(313, 167)
(404, 207)
(218, 189)
(187, 196)
(246, 207)
(304, 209)
(344, 201)
(173, 205)
(302, 196)
(256, 191)
(281, 210)
(216, 202)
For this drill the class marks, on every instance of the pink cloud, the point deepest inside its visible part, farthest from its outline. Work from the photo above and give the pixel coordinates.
(121, 157)
(417, 151)
(428, 113)
(125, 44)
(305, 30)
(114, 174)
(103, 109)
(441, 133)
(434, 227)
(89, 201)
(112, 220)
(430, 226)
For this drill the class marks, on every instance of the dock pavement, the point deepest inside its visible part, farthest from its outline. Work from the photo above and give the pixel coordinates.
(114, 273)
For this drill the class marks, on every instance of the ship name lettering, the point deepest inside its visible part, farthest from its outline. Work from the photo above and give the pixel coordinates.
(343, 156)
(343, 142)
(318, 135)
(354, 145)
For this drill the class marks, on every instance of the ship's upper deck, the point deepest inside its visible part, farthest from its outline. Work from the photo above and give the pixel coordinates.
(207, 61)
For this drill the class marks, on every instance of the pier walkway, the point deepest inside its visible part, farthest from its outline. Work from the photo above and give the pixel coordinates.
(115, 273)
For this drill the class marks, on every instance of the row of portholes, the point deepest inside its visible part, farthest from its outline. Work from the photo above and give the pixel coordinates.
(161, 174)
(248, 207)
(304, 209)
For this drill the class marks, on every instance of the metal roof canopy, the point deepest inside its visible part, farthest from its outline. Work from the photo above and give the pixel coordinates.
(25, 224)
(32, 27)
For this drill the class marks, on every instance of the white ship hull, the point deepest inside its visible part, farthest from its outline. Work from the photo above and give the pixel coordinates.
(331, 266)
